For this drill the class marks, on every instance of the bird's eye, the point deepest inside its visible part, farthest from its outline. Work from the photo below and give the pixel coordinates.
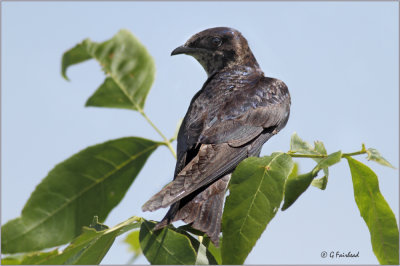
(216, 41)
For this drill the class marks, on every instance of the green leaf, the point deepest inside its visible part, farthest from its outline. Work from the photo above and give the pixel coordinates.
(376, 213)
(76, 55)
(11, 260)
(132, 239)
(295, 170)
(201, 258)
(256, 192)
(319, 147)
(35, 258)
(297, 145)
(332, 159)
(374, 155)
(128, 65)
(91, 246)
(215, 251)
(203, 254)
(88, 248)
(296, 185)
(320, 182)
(166, 246)
(90, 183)
(300, 146)
(98, 226)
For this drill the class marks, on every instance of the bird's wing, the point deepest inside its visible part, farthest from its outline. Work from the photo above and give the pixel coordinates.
(220, 147)
(251, 111)
(211, 162)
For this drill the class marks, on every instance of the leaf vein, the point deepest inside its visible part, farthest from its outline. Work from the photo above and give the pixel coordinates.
(258, 189)
(107, 161)
(107, 175)
(89, 177)
(166, 249)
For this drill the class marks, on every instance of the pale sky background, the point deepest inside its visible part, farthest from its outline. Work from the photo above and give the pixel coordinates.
(339, 60)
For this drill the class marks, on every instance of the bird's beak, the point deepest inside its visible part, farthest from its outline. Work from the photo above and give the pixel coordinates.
(183, 50)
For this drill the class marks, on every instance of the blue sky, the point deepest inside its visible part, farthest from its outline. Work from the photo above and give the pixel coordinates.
(339, 60)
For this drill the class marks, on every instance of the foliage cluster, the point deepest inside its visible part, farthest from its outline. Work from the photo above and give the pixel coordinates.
(70, 204)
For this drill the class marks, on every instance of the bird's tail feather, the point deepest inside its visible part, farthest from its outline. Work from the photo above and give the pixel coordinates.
(203, 211)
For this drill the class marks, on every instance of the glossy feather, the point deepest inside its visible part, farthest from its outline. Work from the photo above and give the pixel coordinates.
(237, 110)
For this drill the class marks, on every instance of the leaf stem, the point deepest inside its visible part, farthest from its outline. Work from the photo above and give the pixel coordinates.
(292, 154)
(166, 141)
(307, 155)
(141, 111)
(353, 153)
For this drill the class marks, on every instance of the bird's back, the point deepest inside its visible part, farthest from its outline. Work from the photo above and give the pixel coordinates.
(237, 97)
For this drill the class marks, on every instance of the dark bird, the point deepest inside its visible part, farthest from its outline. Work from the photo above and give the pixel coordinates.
(236, 111)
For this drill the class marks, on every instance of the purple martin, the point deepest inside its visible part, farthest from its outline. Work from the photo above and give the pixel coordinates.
(236, 111)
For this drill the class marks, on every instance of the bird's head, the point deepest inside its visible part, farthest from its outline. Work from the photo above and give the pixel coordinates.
(217, 49)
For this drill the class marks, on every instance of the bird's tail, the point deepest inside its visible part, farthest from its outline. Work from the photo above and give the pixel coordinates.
(203, 211)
